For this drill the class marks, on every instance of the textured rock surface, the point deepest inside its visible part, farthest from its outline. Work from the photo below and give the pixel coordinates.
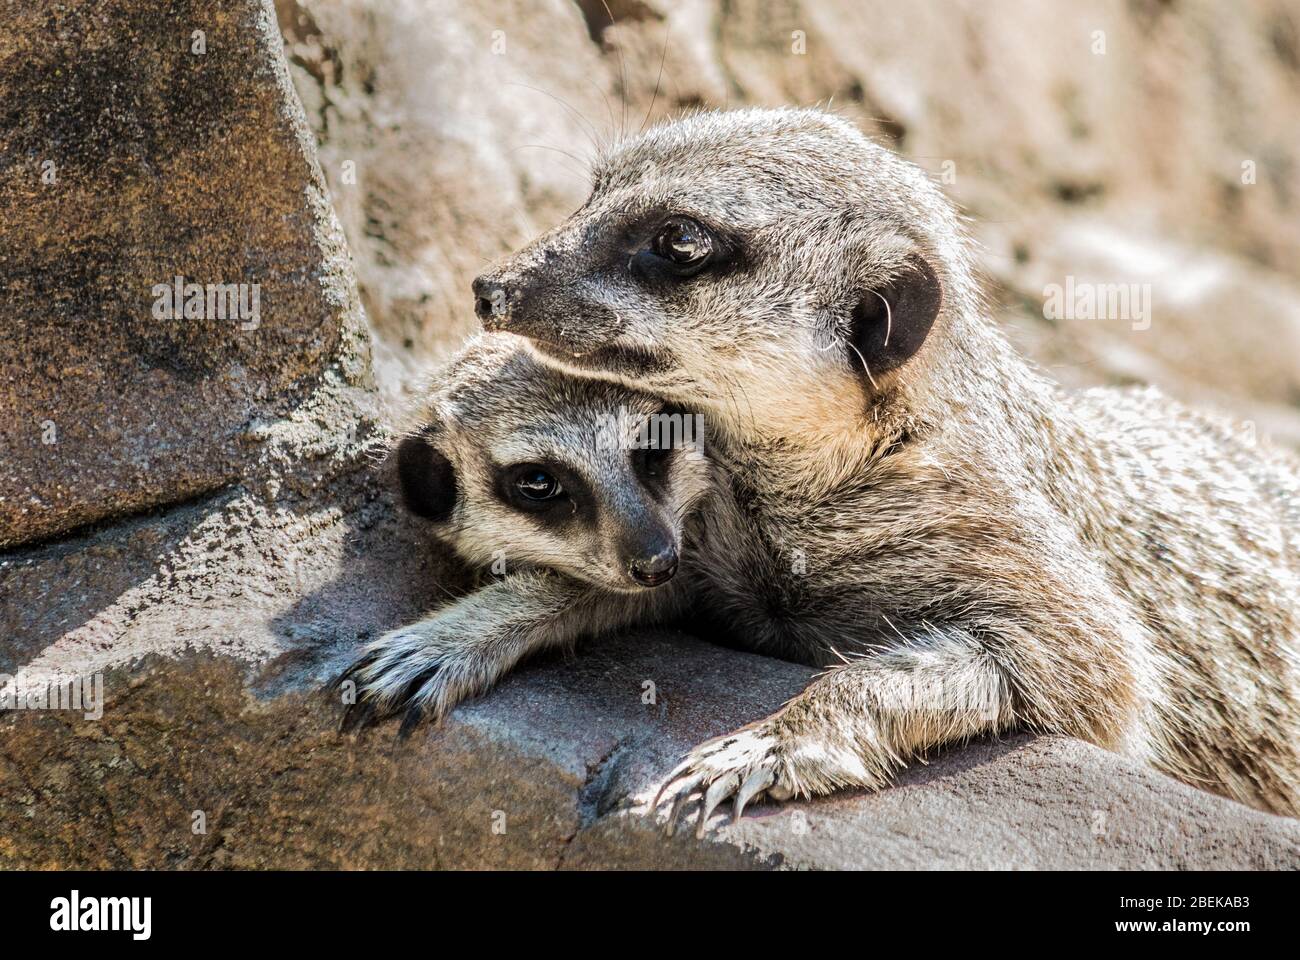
(126, 159)
(450, 133)
(552, 770)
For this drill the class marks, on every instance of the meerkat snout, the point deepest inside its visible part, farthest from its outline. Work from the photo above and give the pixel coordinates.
(535, 301)
(490, 298)
(655, 565)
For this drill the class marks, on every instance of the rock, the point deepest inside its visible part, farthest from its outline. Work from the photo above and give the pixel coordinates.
(449, 133)
(552, 770)
(137, 147)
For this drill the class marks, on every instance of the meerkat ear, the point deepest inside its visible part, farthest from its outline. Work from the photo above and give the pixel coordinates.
(890, 323)
(427, 478)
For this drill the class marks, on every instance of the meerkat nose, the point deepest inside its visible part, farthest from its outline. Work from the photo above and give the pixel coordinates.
(652, 571)
(489, 301)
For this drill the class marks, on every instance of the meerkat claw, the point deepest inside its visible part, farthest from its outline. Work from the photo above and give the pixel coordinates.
(755, 785)
(348, 673)
(673, 776)
(361, 712)
(681, 796)
(718, 791)
(357, 716)
(415, 713)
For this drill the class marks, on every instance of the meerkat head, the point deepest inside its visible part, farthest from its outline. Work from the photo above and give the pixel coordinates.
(516, 464)
(765, 264)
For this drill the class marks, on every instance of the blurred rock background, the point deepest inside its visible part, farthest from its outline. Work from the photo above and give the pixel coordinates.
(1149, 142)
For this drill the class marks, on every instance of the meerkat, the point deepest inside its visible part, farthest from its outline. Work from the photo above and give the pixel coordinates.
(966, 546)
(557, 485)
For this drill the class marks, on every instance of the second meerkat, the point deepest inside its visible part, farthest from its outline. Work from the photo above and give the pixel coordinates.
(987, 549)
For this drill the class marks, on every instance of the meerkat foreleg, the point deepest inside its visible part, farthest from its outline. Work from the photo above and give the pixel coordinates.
(462, 650)
(853, 726)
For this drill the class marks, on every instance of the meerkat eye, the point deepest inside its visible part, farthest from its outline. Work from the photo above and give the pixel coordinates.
(685, 244)
(537, 485)
(536, 488)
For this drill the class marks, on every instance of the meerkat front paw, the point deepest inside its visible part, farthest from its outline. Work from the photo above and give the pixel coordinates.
(424, 669)
(748, 764)
(767, 759)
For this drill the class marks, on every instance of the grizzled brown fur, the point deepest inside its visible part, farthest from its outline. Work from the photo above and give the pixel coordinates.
(982, 549)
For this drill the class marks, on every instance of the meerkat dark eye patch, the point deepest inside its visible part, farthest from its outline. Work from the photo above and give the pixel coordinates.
(678, 248)
(685, 244)
(536, 487)
(890, 323)
(427, 479)
(549, 492)
(652, 463)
